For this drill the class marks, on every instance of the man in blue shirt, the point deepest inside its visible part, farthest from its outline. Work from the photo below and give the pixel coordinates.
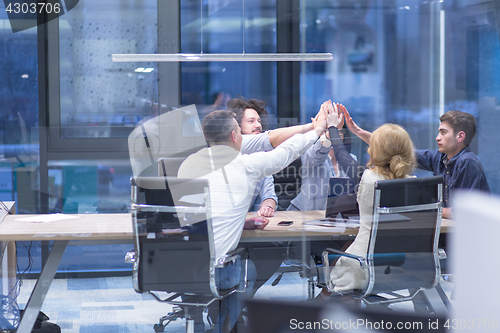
(453, 159)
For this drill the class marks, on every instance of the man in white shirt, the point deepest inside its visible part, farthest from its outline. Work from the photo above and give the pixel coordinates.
(252, 116)
(232, 180)
(249, 114)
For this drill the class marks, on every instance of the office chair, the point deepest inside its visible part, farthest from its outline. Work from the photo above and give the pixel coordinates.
(287, 184)
(402, 251)
(174, 246)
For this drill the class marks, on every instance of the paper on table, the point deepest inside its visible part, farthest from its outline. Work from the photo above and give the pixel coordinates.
(335, 222)
(321, 228)
(44, 218)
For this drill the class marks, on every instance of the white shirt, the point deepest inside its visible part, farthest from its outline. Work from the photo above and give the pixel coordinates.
(256, 142)
(230, 200)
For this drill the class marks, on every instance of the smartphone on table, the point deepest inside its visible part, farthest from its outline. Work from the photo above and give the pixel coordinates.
(285, 223)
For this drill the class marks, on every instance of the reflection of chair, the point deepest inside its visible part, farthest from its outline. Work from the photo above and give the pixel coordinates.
(402, 250)
(168, 166)
(287, 184)
(174, 246)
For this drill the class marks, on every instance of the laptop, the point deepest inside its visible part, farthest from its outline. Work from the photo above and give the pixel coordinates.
(341, 199)
(341, 206)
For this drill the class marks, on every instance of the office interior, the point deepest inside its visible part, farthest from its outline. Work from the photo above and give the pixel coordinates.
(67, 109)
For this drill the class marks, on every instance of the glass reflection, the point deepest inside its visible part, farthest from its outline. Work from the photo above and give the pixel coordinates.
(99, 98)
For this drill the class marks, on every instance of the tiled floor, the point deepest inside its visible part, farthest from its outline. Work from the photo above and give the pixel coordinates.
(102, 305)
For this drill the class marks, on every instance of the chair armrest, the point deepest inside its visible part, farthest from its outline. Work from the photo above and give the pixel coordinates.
(232, 255)
(130, 257)
(442, 254)
(326, 263)
(241, 251)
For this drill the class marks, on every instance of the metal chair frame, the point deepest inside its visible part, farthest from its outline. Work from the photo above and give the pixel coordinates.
(188, 299)
(368, 262)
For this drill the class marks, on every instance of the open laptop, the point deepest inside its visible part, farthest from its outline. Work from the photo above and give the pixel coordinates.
(341, 205)
(341, 202)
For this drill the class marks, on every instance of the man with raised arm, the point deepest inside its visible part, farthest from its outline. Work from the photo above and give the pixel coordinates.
(232, 179)
(453, 159)
(249, 114)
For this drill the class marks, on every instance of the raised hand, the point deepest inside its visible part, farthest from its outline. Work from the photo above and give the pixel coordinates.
(341, 124)
(348, 120)
(334, 117)
(353, 127)
(319, 122)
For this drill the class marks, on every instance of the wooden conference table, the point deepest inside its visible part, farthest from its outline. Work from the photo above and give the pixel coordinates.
(62, 228)
(119, 227)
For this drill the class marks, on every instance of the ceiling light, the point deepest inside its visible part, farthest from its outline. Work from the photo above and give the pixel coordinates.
(185, 57)
(202, 57)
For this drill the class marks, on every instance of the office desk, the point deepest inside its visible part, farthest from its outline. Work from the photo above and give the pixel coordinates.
(119, 227)
(79, 227)
(297, 232)
(7, 257)
(95, 227)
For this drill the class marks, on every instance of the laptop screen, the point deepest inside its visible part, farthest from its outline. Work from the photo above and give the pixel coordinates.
(341, 198)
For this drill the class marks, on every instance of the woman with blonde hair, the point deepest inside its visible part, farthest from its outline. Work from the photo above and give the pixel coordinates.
(391, 152)
(391, 157)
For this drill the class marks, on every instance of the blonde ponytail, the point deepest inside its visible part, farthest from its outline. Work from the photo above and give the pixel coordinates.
(391, 152)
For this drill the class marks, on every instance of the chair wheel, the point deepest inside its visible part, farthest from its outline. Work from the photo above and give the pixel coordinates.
(159, 328)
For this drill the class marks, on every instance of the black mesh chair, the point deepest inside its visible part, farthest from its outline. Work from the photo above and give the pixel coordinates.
(174, 246)
(403, 257)
(287, 184)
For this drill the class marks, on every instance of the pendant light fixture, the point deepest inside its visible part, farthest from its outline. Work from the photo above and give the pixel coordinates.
(203, 57)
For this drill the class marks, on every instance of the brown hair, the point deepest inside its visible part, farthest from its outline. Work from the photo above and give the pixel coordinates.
(391, 152)
(461, 121)
(240, 104)
(218, 125)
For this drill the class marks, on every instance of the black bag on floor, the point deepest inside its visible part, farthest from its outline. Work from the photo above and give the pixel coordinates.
(42, 325)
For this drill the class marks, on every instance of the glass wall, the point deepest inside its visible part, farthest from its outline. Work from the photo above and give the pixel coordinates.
(101, 102)
(18, 115)
(406, 62)
(100, 98)
(400, 61)
(397, 61)
(228, 27)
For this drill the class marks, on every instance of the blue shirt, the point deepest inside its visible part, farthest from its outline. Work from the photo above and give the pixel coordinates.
(463, 171)
(316, 170)
(264, 190)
